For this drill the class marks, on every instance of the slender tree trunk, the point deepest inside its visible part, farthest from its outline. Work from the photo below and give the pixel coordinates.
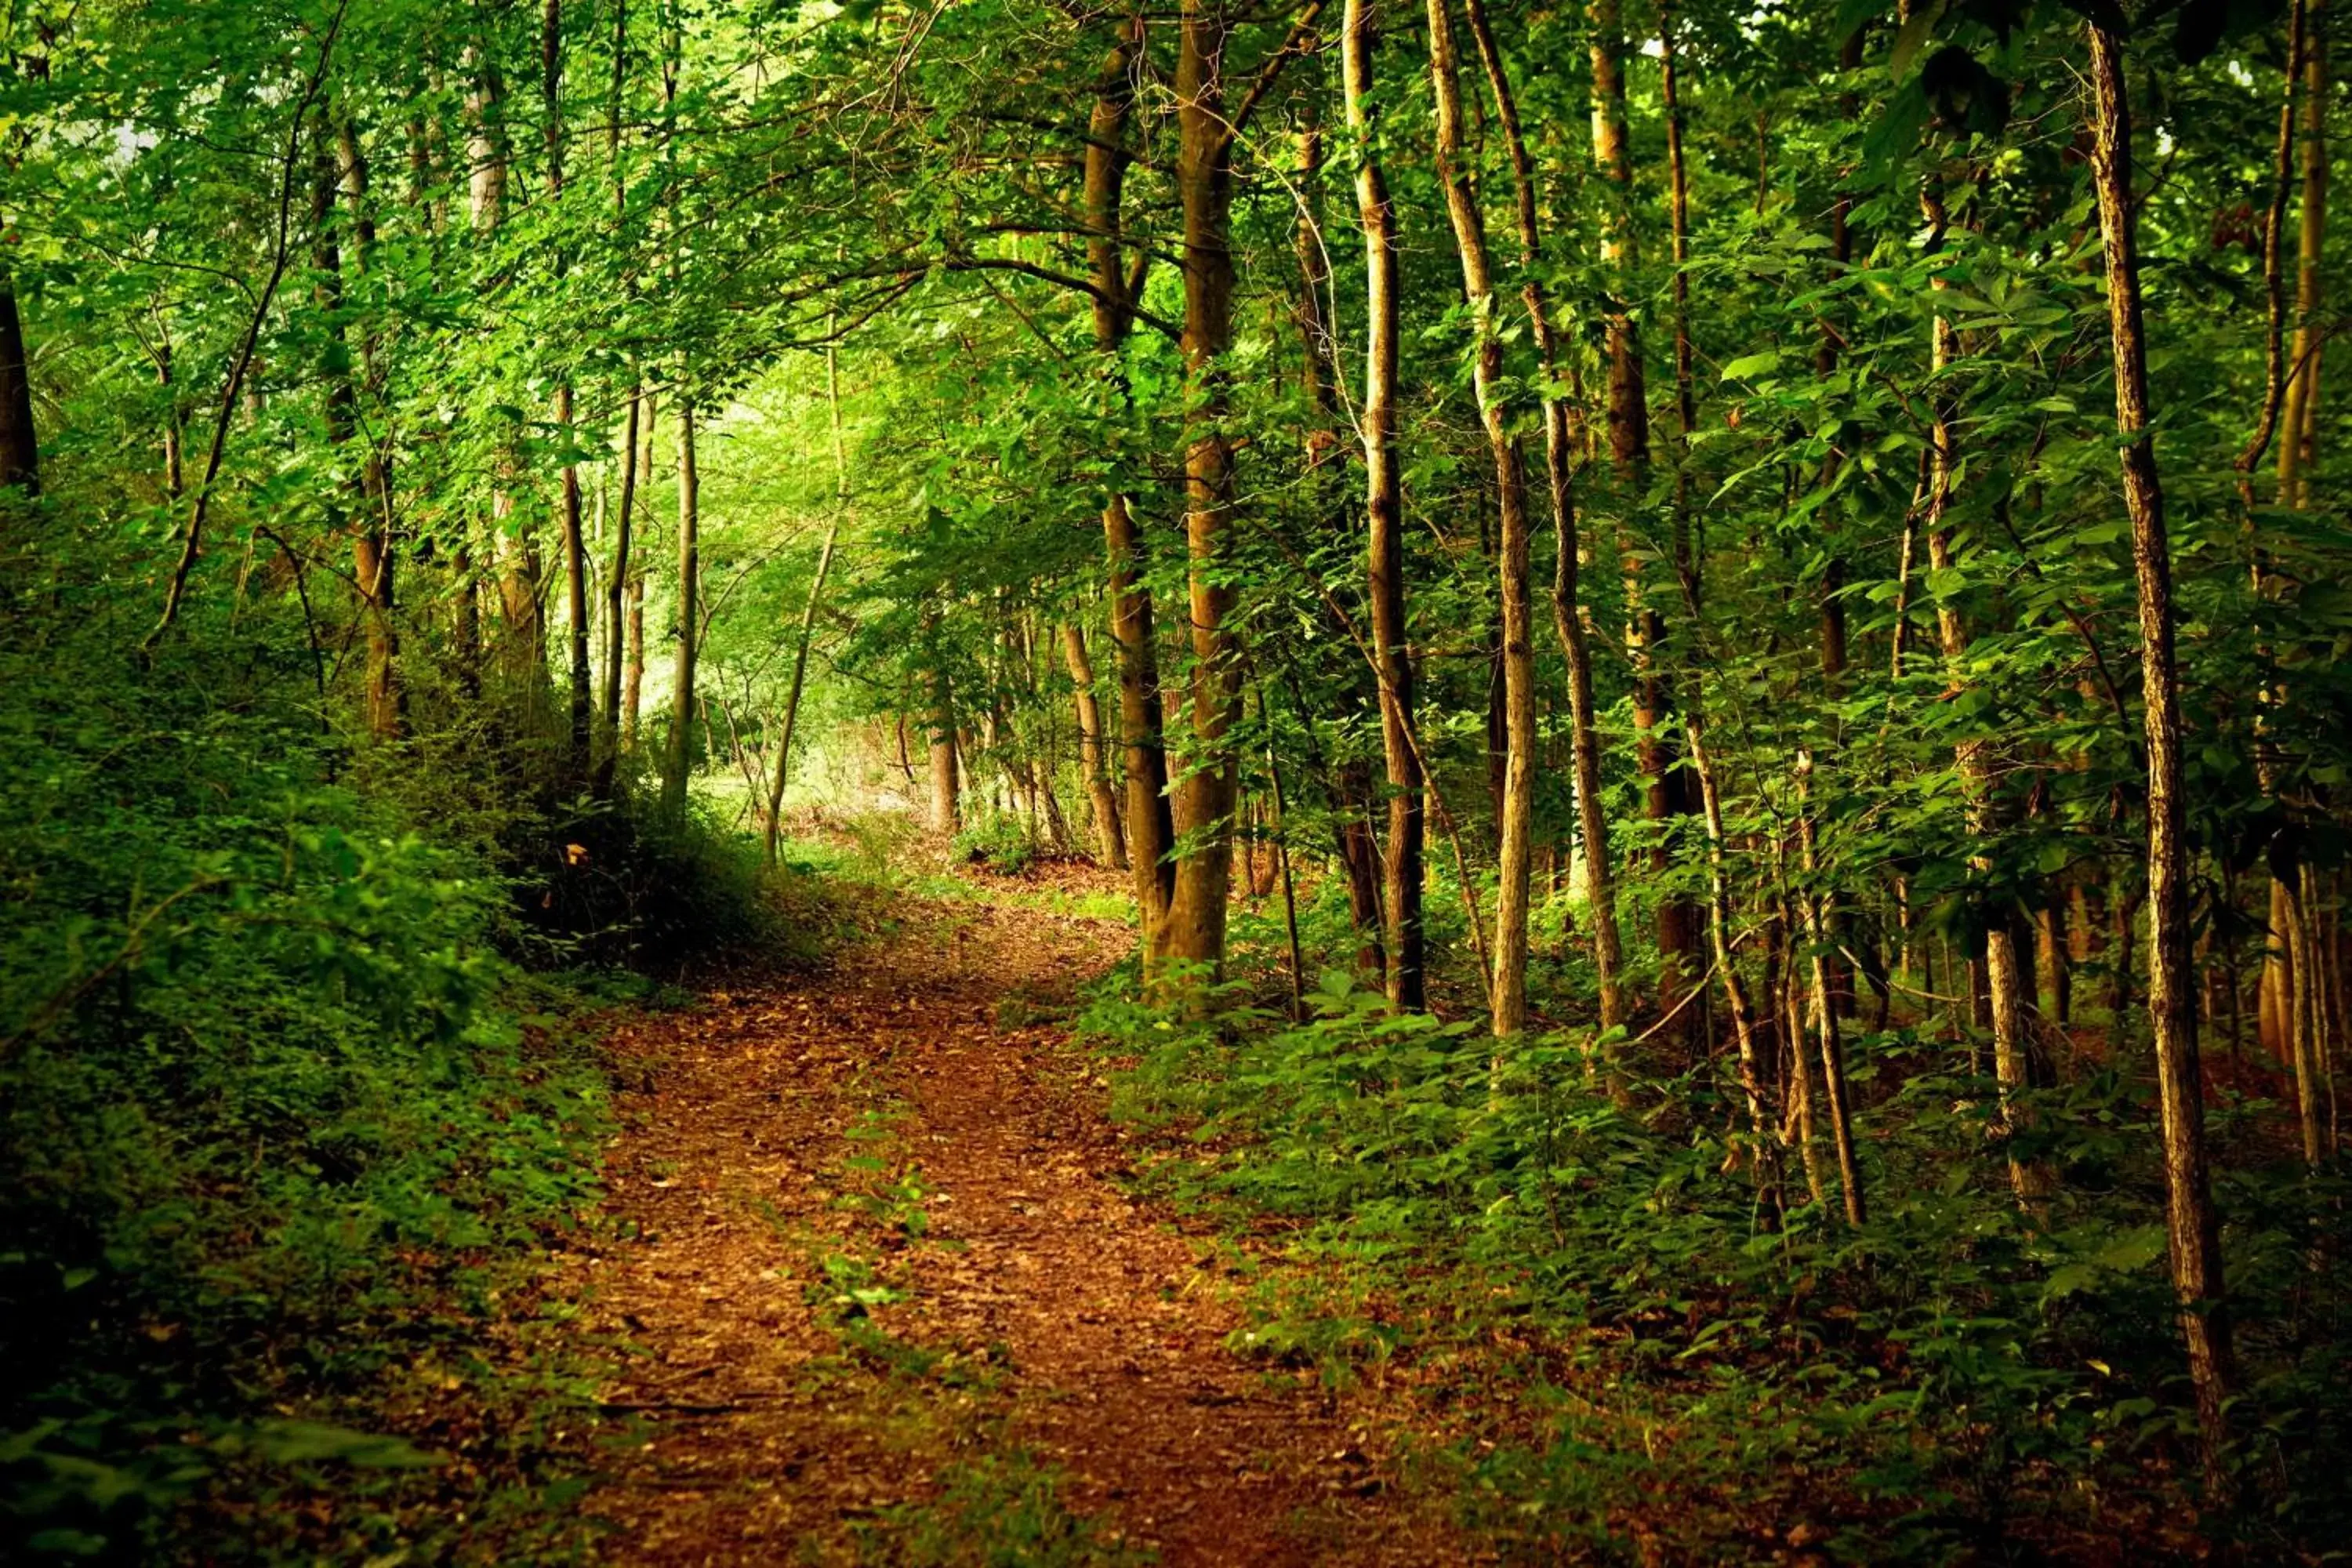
(1754, 1081)
(341, 399)
(946, 816)
(633, 679)
(1664, 794)
(2192, 1227)
(616, 589)
(2295, 452)
(1197, 906)
(522, 648)
(371, 558)
(1508, 985)
(1149, 820)
(583, 707)
(2297, 439)
(1601, 882)
(1110, 836)
(1833, 915)
(1150, 824)
(775, 818)
(1825, 1013)
(1404, 944)
(2302, 1042)
(582, 713)
(2003, 977)
(1800, 1125)
(175, 477)
(1349, 791)
(678, 760)
(372, 536)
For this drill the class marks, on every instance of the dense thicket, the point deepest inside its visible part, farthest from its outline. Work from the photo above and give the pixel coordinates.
(1783, 559)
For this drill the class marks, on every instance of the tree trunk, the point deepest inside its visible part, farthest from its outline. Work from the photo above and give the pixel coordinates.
(371, 537)
(2297, 442)
(1403, 944)
(2192, 1227)
(522, 649)
(2004, 993)
(1601, 880)
(580, 731)
(774, 828)
(1110, 837)
(1664, 794)
(1149, 820)
(616, 589)
(946, 819)
(1508, 985)
(677, 763)
(1197, 906)
(633, 682)
(1150, 824)
(1753, 1082)
(1825, 1002)
(1350, 789)
(371, 559)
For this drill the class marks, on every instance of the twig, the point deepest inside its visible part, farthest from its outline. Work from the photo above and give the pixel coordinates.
(193, 541)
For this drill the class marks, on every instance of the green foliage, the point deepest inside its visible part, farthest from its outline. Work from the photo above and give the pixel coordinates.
(1003, 1509)
(1956, 1368)
(276, 1112)
(998, 842)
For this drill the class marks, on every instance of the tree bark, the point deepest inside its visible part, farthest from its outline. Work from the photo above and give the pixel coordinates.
(1754, 1083)
(372, 536)
(1584, 747)
(1110, 837)
(522, 648)
(2033, 1180)
(1350, 789)
(775, 818)
(582, 707)
(678, 762)
(616, 589)
(1508, 985)
(946, 815)
(2297, 441)
(1197, 904)
(1664, 794)
(633, 678)
(2192, 1227)
(1824, 1002)
(1148, 819)
(1404, 944)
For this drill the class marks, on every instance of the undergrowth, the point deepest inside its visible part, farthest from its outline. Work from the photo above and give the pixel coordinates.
(1642, 1362)
(298, 1078)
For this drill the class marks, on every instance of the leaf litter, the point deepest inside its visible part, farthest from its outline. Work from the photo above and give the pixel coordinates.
(877, 1244)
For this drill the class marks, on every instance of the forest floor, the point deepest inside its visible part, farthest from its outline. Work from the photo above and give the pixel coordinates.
(880, 1295)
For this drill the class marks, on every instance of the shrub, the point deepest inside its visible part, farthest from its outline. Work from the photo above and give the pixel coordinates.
(997, 843)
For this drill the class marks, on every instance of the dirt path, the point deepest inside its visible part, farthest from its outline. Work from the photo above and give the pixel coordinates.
(885, 1287)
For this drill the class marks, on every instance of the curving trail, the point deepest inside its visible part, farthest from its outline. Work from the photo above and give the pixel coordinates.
(776, 1148)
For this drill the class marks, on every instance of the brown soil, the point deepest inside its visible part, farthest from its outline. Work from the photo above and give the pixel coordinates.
(1048, 1321)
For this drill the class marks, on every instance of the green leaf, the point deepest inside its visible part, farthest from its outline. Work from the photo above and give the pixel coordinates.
(308, 1442)
(1916, 33)
(2134, 1249)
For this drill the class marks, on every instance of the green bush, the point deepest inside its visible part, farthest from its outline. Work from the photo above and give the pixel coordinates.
(1956, 1368)
(997, 843)
(274, 1107)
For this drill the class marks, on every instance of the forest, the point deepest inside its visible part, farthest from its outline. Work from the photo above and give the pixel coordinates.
(1061, 782)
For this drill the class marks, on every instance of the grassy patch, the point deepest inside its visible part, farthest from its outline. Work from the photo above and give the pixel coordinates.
(1003, 1509)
